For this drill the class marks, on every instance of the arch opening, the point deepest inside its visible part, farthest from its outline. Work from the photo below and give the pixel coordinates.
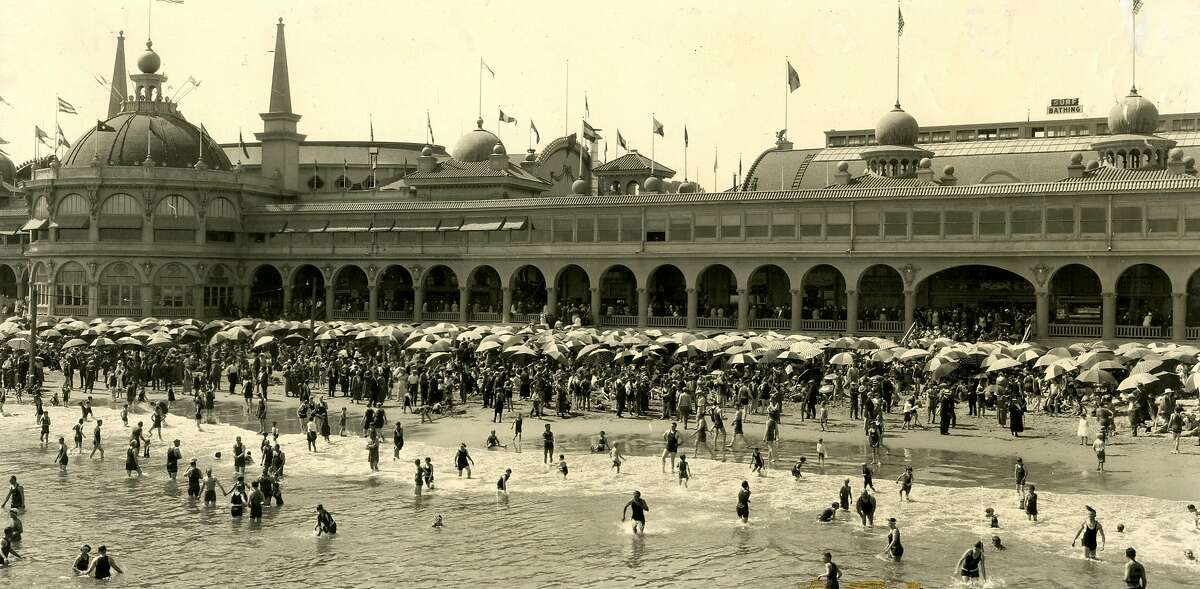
(667, 288)
(975, 302)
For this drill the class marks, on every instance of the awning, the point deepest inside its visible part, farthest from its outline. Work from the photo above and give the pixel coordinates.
(449, 224)
(222, 224)
(514, 224)
(349, 227)
(72, 222)
(120, 221)
(10, 226)
(35, 224)
(266, 226)
(170, 222)
(386, 226)
(415, 225)
(482, 225)
(306, 226)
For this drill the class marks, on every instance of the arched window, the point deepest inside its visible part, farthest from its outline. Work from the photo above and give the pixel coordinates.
(342, 183)
(120, 286)
(221, 223)
(218, 289)
(72, 218)
(70, 290)
(120, 219)
(173, 287)
(316, 183)
(175, 220)
(41, 279)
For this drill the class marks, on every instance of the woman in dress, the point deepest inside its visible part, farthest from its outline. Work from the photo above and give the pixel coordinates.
(131, 460)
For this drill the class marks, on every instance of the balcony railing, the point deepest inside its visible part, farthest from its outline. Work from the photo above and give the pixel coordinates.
(66, 310)
(773, 324)
(1139, 332)
(621, 320)
(1191, 333)
(717, 322)
(885, 327)
(666, 321)
(441, 316)
(485, 317)
(394, 315)
(350, 315)
(172, 312)
(119, 311)
(823, 325)
(525, 317)
(1085, 330)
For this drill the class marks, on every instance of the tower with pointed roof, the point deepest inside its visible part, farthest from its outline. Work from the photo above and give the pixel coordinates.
(118, 90)
(280, 141)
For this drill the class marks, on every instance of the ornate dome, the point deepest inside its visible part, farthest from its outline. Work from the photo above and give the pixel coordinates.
(897, 128)
(149, 62)
(1133, 116)
(476, 146)
(8, 171)
(653, 184)
(174, 143)
(687, 188)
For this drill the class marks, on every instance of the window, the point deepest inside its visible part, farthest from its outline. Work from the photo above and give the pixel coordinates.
(656, 228)
(837, 224)
(316, 183)
(342, 183)
(539, 229)
(895, 224)
(1027, 222)
(758, 224)
(173, 287)
(1127, 220)
(220, 236)
(1093, 220)
(706, 227)
(1183, 125)
(965, 136)
(564, 229)
(992, 223)
(1163, 220)
(631, 228)
(1191, 221)
(71, 287)
(607, 229)
(856, 140)
(783, 225)
(1059, 131)
(810, 225)
(681, 228)
(1060, 221)
(940, 137)
(927, 223)
(585, 230)
(731, 226)
(218, 293)
(1038, 132)
(923, 138)
(1102, 128)
(959, 223)
(837, 141)
(987, 134)
(866, 223)
(1010, 133)
(120, 286)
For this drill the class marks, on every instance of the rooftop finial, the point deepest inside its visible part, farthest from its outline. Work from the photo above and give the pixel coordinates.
(479, 122)
(281, 91)
(118, 91)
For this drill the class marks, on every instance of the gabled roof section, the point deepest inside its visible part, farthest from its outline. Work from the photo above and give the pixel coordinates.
(634, 162)
(454, 169)
(877, 181)
(1106, 173)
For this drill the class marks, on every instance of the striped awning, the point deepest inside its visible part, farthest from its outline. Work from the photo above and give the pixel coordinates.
(514, 223)
(72, 222)
(482, 225)
(415, 225)
(449, 224)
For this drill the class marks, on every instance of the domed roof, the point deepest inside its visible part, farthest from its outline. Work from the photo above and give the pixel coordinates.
(897, 128)
(174, 143)
(476, 146)
(1133, 115)
(687, 188)
(8, 171)
(653, 184)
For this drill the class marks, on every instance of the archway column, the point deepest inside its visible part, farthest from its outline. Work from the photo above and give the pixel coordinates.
(287, 297)
(464, 303)
(198, 301)
(93, 299)
(552, 303)
(797, 313)
(595, 305)
(1179, 305)
(693, 304)
(418, 303)
(147, 299)
(1042, 317)
(643, 309)
(1108, 314)
(506, 304)
(851, 312)
(743, 316)
(51, 300)
(373, 301)
(328, 301)
(244, 296)
(22, 286)
(910, 308)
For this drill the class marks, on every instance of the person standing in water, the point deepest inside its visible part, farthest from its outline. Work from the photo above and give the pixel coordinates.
(80, 566)
(16, 494)
(192, 474)
(743, 502)
(971, 565)
(906, 481)
(463, 460)
(1089, 529)
(420, 476)
(638, 507)
(1135, 573)
(325, 523)
(844, 495)
(865, 506)
(210, 489)
(832, 573)
(895, 549)
(1031, 506)
(96, 447)
(1019, 473)
(547, 445)
(685, 471)
(502, 482)
(615, 455)
(61, 459)
(131, 459)
(671, 438)
(174, 455)
(518, 423)
(397, 441)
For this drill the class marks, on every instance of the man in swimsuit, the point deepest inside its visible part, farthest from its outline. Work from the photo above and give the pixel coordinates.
(639, 508)
(672, 448)
(1089, 529)
(16, 494)
(547, 445)
(832, 573)
(210, 489)
(865, 506)
(743, 504)
(971, 565)
(1135, 573)
(397, 441)
(325, 523)
(174, 455)
(78, 429)
(844, 495)
(771, 436)
(1020, 473)
(103, 565)
(96, 447)
(463, 461)
(906, 481)
(256, 502)
(868, 481)
(502, 482)
(516, 426)
(192, 474)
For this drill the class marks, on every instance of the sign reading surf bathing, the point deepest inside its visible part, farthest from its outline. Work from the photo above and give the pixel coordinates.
(1062, 106)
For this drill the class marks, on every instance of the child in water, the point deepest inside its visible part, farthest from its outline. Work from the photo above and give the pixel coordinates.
(684, 471)
(829, 514)
(796, 469)
(756, 463)
(820, 451)
(997, 544)
(437, 522)
(562, 466)
(993, 521)
(617, 459)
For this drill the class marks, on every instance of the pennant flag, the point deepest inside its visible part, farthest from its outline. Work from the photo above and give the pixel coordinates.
(100, 80)
(41, 136)
(685, 136)
(172, 1)
(739, 165)
(587, 111)
(714, 161)
(104, 127)
(1137, 6)
(658, 127)
(793, 78)
(900, 20)
(371, 124)
(67, 107)
(537, 137)
(193, 81)
(5, 102)
(506, 119)
(590, 134)
(242, 144)
(429, 125)
(621, 140)
(483, 64)
(3, 142)
(60, 138)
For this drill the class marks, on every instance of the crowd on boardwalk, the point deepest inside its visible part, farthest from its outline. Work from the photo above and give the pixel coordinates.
(710, 383)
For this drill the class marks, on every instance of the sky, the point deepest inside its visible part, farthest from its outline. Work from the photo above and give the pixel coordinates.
(716, 66)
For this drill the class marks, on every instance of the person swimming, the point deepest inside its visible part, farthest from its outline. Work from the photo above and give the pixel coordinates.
(797, 468)
(829, 514)
(993, 521)
(437, 522)
(997, 544)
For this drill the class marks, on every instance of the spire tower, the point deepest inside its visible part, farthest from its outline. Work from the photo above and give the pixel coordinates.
(280, 141)
(119, 90)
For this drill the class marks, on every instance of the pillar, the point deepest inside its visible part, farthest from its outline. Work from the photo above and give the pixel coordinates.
(148, 230)
(198, 301)
(147, 299)
(595, 305)
(93, 299)
(1179, 304)
(418, 303)
(1108, 329)
(22, 285)
(328, 302)
(551, 302)
(372, 301)
(244, 296)
(851, 312)
(910, 308)
(287, 297)
(1043, 314)
(743, 317)
(797, 311)
(93, 229)
(643, 308)
(506, 304)
(693, 304)
(464, 304)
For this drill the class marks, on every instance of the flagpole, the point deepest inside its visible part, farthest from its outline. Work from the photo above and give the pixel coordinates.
(685, 164)
(652, 134)
(898, 33)
(481, 87)
(1133, 49)
(567, 98)
(787, 90)
(57, 128)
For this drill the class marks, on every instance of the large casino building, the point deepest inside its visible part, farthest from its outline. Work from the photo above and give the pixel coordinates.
(1087, 224)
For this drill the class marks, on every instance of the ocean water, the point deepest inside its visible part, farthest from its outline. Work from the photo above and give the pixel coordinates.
(550, 532)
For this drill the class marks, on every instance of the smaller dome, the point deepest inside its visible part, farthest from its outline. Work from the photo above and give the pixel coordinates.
(530, 155)
(498, 149)
(427, 151)
(1176, 155)
(843, 167)
(948, 171)
(1093, 165)
(149, 62)
(579, 187)
(476, 145)
(8, 171)
(897, 128)
(1076, 159)
(687, 188)
(653, 184)
(1189, 162)
(1133, 115)
(925, 163)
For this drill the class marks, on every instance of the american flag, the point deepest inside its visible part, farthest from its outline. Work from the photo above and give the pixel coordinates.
(1137, 6)
(900, 22)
